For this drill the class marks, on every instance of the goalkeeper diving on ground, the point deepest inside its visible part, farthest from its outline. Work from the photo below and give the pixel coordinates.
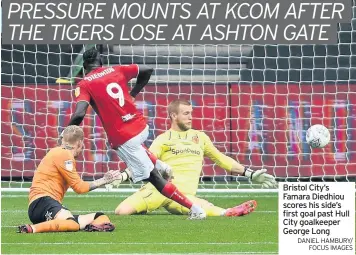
(184, 148)
(54, 175)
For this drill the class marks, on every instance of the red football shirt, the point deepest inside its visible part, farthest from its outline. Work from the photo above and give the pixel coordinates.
(106, 90)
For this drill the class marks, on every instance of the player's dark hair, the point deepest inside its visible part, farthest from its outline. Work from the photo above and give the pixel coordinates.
(174, 106)
(91, 59)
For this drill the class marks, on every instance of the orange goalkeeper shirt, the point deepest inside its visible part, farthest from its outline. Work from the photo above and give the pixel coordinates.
(55, 174)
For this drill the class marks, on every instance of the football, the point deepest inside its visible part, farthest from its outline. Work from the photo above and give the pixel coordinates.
(318, 136)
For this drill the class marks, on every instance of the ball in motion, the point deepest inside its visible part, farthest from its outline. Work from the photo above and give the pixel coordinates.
(318, 136)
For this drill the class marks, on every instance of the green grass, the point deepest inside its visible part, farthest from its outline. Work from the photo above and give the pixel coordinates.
(158, 232)
(202, 185)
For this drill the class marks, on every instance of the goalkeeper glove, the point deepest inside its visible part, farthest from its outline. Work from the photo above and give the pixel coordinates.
(125, 175)
(108, 178)
(260, 176)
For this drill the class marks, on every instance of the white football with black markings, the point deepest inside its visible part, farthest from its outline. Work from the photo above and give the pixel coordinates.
(318, 136)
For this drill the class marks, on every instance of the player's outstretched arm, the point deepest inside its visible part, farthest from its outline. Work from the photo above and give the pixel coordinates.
(143, 77)
(260, 176)
(69, 173)
(79, 114)
(108, 178)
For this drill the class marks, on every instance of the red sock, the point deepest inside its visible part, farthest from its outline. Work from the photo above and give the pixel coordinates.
(152, 157)
(171, 191)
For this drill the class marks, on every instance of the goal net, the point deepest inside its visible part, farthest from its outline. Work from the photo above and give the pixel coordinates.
(254, 101)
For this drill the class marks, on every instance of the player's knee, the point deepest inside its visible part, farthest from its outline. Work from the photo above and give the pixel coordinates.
(157, 180)
(125, 209)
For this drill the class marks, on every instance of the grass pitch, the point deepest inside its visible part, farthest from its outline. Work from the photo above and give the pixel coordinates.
(158, 232)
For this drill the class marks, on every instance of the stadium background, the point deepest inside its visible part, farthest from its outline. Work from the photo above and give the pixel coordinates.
(254, 101)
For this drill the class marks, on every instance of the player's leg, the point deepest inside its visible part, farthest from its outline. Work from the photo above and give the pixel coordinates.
(43, 212)
(131, 205)
(93, 222)
(212, 210)
(145, 200)
(241, 209)
(170, 191)
(48, 215)
(209, 208)
(96, 222)
(142, 164)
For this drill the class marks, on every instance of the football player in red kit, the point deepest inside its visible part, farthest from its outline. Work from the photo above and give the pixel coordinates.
(106, 90)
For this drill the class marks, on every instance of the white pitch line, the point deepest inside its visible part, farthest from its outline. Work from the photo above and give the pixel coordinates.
(143, 243)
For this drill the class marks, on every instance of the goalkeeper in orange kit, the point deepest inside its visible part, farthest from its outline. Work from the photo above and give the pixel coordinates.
(184, 148)
(55, 174)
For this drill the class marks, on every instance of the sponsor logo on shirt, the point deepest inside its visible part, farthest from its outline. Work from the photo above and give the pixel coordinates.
(128, 117)
(195, 139)
(68, 164)
(186, 150)
(48, 216)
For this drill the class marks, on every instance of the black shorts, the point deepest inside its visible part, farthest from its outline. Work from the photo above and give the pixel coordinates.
(44, 209)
